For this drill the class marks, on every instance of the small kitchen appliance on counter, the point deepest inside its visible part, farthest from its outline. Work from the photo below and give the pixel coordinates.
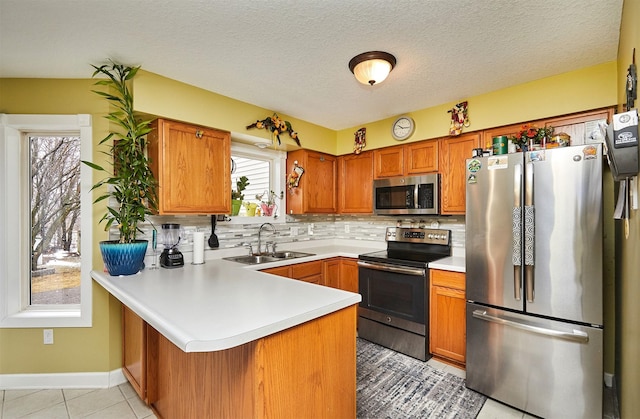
(171, 256)
(394, 284)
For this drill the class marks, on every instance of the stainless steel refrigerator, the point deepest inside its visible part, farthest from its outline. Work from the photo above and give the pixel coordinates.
(534, 280)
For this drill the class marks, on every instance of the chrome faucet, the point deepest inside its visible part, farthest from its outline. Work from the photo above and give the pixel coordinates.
(260, 234)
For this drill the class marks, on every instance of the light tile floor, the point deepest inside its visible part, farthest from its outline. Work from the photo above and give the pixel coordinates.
(119, 402)
(122, 402)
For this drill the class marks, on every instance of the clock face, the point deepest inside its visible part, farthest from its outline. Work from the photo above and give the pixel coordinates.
(402, 128)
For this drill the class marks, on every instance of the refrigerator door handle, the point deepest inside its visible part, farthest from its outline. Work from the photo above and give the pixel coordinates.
(516, 219)
(576, 335)
(529, 233)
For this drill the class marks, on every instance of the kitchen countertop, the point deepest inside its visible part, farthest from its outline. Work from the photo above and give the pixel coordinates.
(222, 304)
(453, 263)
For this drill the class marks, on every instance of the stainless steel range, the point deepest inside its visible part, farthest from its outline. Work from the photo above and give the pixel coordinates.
(394, 284)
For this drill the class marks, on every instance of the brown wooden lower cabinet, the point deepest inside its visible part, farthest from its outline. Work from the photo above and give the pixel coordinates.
(134, 347)
(308, 272)
(349, 274)
(308, 370)
(447, 324)
(340, 272)
(331, 272)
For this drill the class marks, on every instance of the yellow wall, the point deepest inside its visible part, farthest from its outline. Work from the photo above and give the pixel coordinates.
(628, 281)
(584, 89)
(75, 349)
(160, 96)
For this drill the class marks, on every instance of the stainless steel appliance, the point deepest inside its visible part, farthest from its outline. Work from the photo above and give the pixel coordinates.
(171, 256)
(394, 284)
(407, 195)
(534, 280)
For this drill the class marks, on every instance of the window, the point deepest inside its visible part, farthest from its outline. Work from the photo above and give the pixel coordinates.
(265, 169)
(56, 218)
(43, 236)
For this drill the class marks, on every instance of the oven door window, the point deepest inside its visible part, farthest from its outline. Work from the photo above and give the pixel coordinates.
(394, 294)
(395, 197)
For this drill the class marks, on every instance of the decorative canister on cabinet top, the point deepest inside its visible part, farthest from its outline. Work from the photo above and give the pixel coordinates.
(500, 144)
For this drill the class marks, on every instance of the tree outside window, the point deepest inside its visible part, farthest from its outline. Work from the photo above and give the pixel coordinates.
(55, 219)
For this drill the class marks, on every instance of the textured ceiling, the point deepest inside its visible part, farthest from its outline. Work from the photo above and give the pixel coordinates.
(291, 56)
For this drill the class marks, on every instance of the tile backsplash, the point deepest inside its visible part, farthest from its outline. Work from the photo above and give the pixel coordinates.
(300, 228)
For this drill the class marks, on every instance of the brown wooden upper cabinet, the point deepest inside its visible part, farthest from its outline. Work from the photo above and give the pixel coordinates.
(408, 159)
(454, 151)
(421, 157)
(316, 191)
(355, 183)
(388, 162)
(488, 134)
(192, 166)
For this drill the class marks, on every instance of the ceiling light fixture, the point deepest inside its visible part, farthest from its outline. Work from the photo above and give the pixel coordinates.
(372, 67)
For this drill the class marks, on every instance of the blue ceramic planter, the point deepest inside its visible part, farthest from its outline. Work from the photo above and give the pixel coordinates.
(123, 258)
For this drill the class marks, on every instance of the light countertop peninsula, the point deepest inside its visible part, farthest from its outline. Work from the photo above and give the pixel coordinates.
(222, 304)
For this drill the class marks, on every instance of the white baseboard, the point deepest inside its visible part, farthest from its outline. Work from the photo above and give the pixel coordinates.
(608, 379)
(62, 380)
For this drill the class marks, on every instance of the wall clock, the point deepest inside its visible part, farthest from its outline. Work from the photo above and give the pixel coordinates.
(402, 128)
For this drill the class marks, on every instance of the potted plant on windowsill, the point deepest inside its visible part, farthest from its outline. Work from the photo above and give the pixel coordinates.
(131, 183)
(269, 206)
(237, 196)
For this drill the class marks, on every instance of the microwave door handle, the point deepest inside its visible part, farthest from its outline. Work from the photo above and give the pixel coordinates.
(416, 204)
(516, 218)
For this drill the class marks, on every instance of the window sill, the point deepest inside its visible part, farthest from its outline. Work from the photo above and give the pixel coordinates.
(47, 317)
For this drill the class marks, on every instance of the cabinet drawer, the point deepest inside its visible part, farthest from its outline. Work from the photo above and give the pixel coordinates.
(448, 279)
(314, 279)
(302, 270)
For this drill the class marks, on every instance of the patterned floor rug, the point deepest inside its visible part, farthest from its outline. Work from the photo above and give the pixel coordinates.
(393, 385)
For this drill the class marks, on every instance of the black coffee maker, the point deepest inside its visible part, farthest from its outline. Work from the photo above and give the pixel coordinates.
(171, 256)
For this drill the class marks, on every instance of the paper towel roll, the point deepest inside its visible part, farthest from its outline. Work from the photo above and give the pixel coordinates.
(198, 247)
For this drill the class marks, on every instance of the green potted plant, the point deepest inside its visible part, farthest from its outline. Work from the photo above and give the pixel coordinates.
(237, 196)
(131, 187)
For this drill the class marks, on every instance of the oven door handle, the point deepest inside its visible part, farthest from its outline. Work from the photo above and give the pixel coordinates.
(392, 268)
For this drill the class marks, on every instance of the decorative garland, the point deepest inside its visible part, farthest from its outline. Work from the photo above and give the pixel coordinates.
(276, 126)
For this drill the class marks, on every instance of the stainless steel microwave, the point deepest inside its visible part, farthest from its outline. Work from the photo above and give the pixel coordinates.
(407, 195)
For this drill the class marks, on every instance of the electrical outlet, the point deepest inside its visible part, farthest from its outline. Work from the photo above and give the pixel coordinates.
(294, 231)
(346, 228)
(310, 229)
(48, 336)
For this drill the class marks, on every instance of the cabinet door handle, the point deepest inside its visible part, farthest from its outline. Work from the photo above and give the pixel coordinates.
(199, 134)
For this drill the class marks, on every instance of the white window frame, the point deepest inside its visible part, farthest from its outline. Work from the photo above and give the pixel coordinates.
(15, 262)
(277, 179)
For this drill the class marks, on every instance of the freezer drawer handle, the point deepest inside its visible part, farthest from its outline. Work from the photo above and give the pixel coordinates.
(576, 336)
(392, 268)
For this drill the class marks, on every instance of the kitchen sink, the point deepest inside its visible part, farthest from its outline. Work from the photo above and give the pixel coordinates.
(267, 257)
